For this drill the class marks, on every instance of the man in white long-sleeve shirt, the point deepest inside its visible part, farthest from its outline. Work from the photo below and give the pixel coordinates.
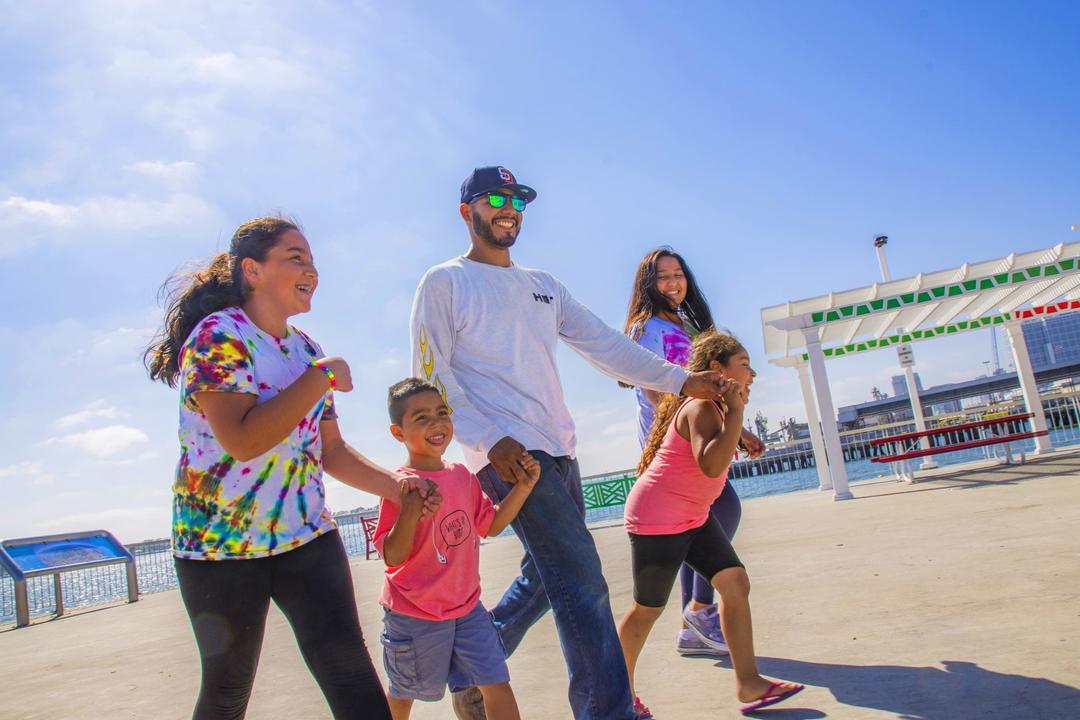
(485, 331)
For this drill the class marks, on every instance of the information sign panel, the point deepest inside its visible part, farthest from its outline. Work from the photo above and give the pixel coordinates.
(906, 356)
(26, 558)
(52, 554)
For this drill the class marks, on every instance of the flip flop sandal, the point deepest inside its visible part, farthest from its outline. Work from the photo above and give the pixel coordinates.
(769, 699)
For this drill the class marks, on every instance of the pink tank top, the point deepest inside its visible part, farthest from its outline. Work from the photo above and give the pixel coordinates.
(673, 495)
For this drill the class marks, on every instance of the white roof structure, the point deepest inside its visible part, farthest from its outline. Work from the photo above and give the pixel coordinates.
(969, 297)
(802, 334)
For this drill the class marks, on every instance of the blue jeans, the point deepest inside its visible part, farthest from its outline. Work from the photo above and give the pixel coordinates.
(561, 570)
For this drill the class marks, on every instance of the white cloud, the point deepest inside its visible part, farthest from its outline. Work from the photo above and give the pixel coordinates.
(34, 220)
(105, 212)
(130, 524)
(28, 471)
(20, 469)
(254, 70)
(101, 515)
(17, 208)
(621, 429)
(139, 459)
(104, 442)
(178, 171)
(96, 409)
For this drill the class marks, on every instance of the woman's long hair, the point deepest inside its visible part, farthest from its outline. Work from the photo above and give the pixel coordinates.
(647, 302)
(708, 346)
(191, 296)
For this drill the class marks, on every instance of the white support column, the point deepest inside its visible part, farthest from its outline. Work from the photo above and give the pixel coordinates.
(834, 453)
(917, 413)
(1028, 385)
(814, 423)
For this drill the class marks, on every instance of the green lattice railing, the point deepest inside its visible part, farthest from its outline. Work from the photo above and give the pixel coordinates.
(607, 493)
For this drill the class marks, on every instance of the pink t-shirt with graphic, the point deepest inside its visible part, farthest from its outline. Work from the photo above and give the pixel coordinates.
(440, 579)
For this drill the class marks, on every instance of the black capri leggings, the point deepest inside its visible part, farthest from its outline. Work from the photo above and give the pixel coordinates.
(227, 601)
(656, 559)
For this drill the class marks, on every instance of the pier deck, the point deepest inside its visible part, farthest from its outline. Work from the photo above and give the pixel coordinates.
(956, 597)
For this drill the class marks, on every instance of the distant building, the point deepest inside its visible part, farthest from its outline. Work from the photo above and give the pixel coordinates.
(946, 408)
(789, 430)
(899, 385)
(1053, 340)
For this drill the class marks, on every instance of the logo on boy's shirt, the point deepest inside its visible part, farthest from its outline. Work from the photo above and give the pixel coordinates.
(546, 299)
(455, 528)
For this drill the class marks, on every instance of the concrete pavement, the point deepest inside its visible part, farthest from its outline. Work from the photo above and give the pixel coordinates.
(956, 597)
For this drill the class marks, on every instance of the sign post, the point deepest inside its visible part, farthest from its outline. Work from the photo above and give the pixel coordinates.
(906, 357)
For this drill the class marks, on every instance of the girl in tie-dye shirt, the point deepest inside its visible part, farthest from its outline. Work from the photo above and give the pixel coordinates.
(224, 508)
(257, 428)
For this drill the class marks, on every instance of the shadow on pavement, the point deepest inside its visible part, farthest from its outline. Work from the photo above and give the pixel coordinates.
(959, 690)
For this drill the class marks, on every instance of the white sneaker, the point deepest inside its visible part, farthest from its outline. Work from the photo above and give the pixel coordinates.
(689, 644)
(705, 624)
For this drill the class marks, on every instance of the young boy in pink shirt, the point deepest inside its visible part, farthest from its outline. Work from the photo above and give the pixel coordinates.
(436, 631)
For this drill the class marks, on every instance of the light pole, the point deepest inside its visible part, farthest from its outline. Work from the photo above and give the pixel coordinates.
(907, 361)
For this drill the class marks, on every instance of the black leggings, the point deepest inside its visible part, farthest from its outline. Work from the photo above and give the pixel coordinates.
(227, 601)
(656, 559)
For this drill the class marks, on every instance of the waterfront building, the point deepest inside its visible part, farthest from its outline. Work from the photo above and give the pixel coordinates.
(1053, 340)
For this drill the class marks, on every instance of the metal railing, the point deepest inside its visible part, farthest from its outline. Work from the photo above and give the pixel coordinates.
(786, 467)
(351, 527)
(154, 565)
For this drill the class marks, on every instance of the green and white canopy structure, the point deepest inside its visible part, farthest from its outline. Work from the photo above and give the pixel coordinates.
(802, 334)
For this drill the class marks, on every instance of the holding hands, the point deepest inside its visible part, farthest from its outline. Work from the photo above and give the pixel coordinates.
(707, 385)
(734, 395)
(714, 385)
(752, 444)
(513, 463)
(531, 466)
(411, 502)
(419, 495)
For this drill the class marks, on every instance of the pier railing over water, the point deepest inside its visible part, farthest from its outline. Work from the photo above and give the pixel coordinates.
(785, 467)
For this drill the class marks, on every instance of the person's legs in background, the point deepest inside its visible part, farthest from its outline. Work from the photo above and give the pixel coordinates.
(700, 633)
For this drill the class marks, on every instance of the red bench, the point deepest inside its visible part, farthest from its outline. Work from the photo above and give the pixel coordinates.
(369, 524)
(1010, 428)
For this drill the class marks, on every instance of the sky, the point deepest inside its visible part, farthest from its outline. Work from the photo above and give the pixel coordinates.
(767, 142)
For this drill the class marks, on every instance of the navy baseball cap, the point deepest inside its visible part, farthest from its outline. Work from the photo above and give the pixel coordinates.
(495, 177)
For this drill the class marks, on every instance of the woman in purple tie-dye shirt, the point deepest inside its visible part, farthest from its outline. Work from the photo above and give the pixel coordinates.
(667, 311)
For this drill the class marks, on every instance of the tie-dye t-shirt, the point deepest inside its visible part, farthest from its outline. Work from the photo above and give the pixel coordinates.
(669, 341)
(227, 509)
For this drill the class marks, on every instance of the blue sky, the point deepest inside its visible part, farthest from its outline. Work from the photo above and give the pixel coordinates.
(767, 142)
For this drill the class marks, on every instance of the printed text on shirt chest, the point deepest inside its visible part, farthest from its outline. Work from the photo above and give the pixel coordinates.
(455, 528)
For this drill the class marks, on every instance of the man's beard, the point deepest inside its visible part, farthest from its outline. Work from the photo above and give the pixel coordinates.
(486, 232)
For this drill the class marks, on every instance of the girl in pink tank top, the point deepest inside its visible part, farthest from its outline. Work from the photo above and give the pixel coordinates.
(683, 470)
(674, 494)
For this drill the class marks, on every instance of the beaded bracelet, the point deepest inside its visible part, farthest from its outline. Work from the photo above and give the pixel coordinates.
(329, 373)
